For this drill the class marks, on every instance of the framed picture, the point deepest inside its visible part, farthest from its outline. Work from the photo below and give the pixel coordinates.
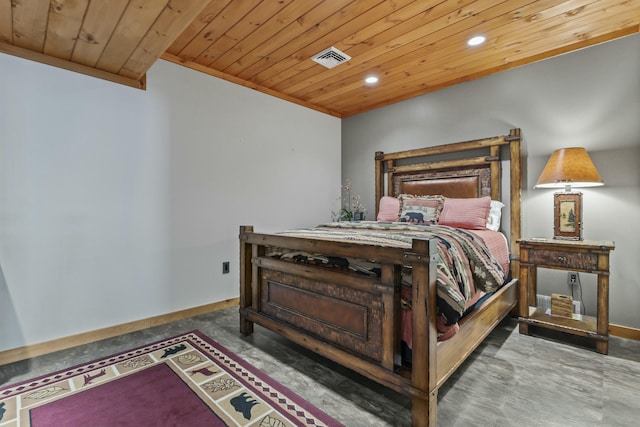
(567, 217)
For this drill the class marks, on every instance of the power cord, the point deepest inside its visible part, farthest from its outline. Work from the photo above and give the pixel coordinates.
(583, 308)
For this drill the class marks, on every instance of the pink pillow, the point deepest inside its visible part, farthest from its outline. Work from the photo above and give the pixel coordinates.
(389, 209)
(466, 213)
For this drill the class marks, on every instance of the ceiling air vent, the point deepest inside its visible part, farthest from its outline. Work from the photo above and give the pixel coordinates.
(331, 57)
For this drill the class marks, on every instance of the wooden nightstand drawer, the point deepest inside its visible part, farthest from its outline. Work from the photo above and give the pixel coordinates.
(571, 260)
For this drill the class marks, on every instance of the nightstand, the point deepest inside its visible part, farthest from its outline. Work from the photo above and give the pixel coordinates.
(586, 256)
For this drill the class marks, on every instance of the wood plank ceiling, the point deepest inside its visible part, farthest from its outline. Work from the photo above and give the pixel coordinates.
(413, 47)
(116, 40)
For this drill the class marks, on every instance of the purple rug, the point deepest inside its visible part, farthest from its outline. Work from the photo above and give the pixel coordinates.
(188, 380)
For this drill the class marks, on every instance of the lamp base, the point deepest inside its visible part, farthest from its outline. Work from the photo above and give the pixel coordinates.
(567, 217)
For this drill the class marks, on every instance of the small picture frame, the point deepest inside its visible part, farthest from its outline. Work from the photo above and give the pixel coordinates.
(567, 217)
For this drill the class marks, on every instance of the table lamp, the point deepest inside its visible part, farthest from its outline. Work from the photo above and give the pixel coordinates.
(566, 168)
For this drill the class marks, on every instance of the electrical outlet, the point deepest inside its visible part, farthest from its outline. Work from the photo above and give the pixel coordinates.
(225, 267)
(573, 278)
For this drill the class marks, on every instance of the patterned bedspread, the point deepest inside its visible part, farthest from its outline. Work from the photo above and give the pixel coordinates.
(464, 264)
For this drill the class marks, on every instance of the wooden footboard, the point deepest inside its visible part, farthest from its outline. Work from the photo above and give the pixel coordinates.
(354, 320)
(351, 319)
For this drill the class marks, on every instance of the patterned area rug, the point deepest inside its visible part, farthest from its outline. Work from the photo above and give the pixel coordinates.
(188, 380)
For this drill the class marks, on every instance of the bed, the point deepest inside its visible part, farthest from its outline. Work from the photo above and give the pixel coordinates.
(355, 319)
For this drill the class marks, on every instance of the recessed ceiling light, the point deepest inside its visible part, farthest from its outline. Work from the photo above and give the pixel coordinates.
(477, 40)
(371, 80)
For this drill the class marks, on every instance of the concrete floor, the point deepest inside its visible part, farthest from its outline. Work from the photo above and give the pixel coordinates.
(510, 380)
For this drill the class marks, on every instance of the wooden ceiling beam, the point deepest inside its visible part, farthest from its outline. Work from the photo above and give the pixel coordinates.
(72, 66)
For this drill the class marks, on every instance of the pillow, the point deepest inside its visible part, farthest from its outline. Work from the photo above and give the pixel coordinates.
(420, 209)
(469, 213)
(495, 213)
(389, 209)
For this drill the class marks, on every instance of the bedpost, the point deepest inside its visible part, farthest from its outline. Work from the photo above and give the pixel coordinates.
(494, 152)
(389, 167)
(391, 276)
(379, 181)
(421, 257)
(246, 327)
(515, 152)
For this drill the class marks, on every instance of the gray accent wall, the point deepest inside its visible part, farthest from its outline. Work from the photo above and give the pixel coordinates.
(118, 204)
(588, 98)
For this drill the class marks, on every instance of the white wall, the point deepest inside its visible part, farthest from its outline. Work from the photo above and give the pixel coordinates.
(118, 204)
(589, 98)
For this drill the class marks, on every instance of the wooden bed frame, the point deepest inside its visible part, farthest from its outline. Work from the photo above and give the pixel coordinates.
(355, 320)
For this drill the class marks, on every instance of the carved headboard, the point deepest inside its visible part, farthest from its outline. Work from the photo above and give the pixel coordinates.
(460, 183)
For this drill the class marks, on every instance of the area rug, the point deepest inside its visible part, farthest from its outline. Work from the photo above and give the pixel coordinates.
(188, 380)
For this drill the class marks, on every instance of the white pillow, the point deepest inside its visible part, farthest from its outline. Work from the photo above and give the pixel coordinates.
(495, 213)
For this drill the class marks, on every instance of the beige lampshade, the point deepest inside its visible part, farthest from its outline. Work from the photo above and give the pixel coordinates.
(569, 167)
